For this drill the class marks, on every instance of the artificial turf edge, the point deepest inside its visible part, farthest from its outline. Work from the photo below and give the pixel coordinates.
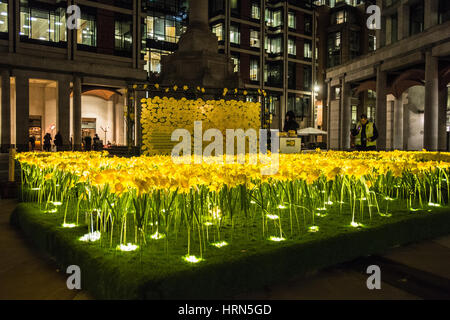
(106, 280)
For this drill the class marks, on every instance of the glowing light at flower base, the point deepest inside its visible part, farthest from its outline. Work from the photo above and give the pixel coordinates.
(91, 237)
(220, 244)
(157, 236)
(69, 225)
(127, 247)
(192, 259)
(431, 204)
(276, 239)
(355, 224)
(313, 229)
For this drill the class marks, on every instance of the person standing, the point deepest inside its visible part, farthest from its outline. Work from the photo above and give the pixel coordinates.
(96, 143)
(32, 142)
(365, 134)
(290, 124)
(47, 142)
(58, 142)
(87, 143)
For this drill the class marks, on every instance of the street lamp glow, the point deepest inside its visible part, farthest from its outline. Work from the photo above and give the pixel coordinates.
(316, 88)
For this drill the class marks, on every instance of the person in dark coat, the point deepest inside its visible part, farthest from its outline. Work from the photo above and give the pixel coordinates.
(96, 142)
(33, 142)
(290, 123)
(47, 142)
(87, 143)
(58, 142)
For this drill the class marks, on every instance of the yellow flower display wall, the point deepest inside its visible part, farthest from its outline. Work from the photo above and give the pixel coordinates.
(161, 116)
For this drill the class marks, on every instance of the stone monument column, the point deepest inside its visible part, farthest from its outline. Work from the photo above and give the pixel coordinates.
(198, 13)
(197, 61)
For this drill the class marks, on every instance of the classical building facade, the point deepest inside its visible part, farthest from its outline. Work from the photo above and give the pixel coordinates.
(402, 85)
(271, 44)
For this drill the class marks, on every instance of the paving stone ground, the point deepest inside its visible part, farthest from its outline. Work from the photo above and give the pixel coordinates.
(28, 274)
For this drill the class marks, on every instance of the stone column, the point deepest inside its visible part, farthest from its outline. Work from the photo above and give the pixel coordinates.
(198, 13)
(63, 119)
(430, 127)
(380, 33)
(139, 95)
(403, 21)
(431, 8)
(381, 108)
(114, 112)
(76, 113)
(346, 112)
(22, 112)
(442, 123)
(328, 113)
(398, 124)
(405, 121)
(6, 111)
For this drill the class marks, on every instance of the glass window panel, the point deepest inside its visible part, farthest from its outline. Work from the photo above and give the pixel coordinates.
(123, 35)
(307, 54)
(3, 17)
(254, 70)
(256, 11)
(254, 38)
(235, 36)
(87, 33)
(40, 25)
(291, 47)
(217, 29)
(170, 30)
(159, 28)
(277, 19)
(291, 20)
(236, 63)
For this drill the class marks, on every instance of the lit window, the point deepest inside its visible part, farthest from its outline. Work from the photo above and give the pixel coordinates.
(256, 11)
(87, 33)
(291, 20)
(217, 29)
(291, 47)
(254, 70)
(236, 63)
(40, 24)
(123, 35)
(235, 35)
(254, 38)
(3, 17)
(307, 54)
(340, 17)
(273, 45)
(277, 19)
(153, 59)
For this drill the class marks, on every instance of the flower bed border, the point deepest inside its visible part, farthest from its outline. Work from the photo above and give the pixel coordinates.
(225, 280)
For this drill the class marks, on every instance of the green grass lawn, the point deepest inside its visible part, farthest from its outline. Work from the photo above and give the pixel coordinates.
(157, 271)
